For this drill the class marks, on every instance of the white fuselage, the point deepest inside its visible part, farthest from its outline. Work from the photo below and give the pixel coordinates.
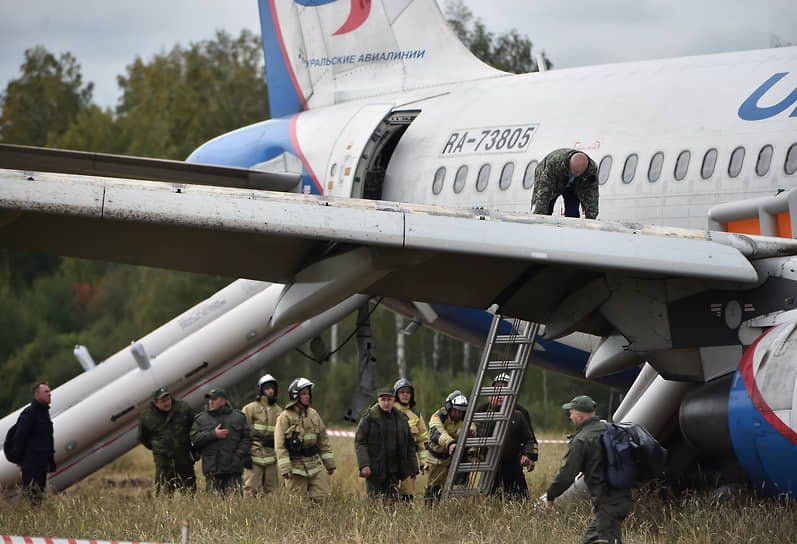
(649, 111)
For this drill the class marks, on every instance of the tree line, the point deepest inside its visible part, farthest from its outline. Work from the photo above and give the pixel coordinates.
(169, 105)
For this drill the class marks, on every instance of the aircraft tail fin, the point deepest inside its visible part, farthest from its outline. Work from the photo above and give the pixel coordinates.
(323, 52)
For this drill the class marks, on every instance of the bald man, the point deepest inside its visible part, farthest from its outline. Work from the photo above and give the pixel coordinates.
(569, 173)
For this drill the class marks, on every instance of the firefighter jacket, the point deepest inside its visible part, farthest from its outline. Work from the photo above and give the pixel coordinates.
(222, 455)
(167, 434)
(442, 432)
(417, 427)
(301, 442)
(262, 419)
(385, 443)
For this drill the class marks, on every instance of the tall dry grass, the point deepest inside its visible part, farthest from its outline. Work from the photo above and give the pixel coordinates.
(118, 503)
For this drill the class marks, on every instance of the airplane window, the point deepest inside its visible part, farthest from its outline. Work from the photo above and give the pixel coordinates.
(764, 160)
(333, 169)
(439, 177)
(737, 158)
(604, 169)
(483, 177)
(791, 160)
(709, 162)
(459, 179)
(531, 169)
(654, 170)
(506, 176)
(682, 165)
(630, 168)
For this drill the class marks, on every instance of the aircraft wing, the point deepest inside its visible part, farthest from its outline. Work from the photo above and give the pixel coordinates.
(531, 266)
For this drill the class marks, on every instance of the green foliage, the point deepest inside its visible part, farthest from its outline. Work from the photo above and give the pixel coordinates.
(179, 100)
(508, 51)
(44, 100)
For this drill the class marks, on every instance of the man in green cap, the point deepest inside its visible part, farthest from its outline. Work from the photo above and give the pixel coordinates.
(585, 455)
(164, 427)
(223, 438)
(385, 448)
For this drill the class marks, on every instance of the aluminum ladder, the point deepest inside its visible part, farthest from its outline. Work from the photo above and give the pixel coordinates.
(508, 349)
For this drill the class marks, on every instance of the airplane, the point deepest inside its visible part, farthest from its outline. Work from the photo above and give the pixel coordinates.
(397, 164)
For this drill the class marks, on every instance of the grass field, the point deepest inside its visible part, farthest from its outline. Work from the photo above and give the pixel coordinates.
(118, 503)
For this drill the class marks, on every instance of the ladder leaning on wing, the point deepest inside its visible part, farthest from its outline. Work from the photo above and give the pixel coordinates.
(508, 349)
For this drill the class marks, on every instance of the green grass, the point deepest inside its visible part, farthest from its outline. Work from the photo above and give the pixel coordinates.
(118, 503)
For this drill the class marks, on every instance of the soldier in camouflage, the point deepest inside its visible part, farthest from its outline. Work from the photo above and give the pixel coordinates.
(585, 454)
(569, 173)
(164, 427)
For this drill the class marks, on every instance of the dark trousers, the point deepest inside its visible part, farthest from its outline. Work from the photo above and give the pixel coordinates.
(387, 489)
(170, 477)
(224, 483)
(610, 512)
(571, 204)
(511, 479)
(34, 480)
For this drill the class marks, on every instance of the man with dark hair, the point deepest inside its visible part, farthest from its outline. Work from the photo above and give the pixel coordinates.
(570, 173)
(585, 454)
(224, 441)
(164, 427)
(34, 443)
(385, 448)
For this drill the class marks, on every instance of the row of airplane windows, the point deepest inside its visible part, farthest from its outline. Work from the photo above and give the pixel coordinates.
(654, 170)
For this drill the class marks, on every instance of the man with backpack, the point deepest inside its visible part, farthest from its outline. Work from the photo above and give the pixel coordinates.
(33, 443)
(585, 454)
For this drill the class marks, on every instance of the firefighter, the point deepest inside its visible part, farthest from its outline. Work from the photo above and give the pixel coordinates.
(304, 457)
(405, 395)
(445, 427)
(262, 417)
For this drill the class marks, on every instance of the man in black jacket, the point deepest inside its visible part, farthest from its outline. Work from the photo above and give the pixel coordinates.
(520, 444)
(224, 441)
(34, 442)
(385, 448)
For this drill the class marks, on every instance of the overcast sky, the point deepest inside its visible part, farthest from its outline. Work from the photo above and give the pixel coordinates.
(106, 35)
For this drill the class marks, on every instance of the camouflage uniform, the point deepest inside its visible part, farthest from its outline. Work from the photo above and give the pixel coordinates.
(552, 176)
(167, 435)
(311, 461)
(420, 436)
(223, 459)
(442, 432)
(262, 418)
(611, 506)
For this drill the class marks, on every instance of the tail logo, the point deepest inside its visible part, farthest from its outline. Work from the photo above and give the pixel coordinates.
(360, 10)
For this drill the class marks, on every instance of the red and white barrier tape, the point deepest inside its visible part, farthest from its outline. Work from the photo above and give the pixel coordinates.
(350, 434)
(40, 540)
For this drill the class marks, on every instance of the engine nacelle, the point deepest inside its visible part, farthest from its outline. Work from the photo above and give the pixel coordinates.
(762, 410)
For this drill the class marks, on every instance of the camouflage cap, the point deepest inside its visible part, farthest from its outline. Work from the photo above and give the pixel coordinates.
(582, 403)
(160, 392)
(216, 392)
(386, 392)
